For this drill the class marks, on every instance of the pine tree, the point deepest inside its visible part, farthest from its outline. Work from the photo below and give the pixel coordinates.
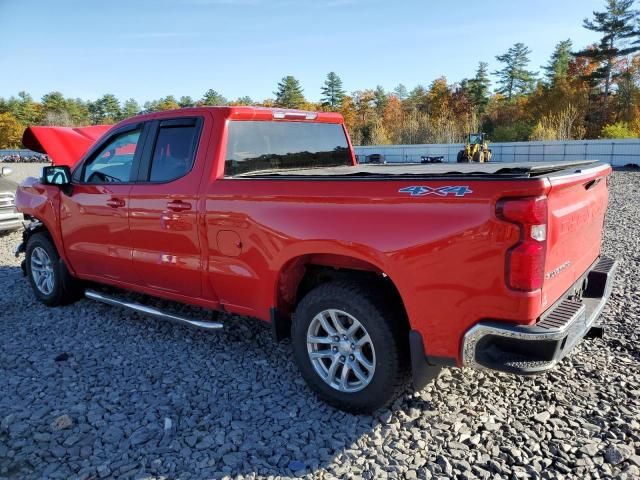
(380, 99)
(617, 25)
(401, 91)
(332, 92)
(212, 98)
(558, 65)
(514, 78)
(186, 102)
(478, 87)
(130, 108)
(289, 93)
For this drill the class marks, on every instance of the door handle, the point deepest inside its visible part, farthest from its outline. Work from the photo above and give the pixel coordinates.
(115, 202)
(178, 206)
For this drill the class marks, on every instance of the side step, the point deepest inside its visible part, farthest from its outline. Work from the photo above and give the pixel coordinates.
(154, 312)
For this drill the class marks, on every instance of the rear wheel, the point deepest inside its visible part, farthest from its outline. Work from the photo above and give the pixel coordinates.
(50, 280)
(350, 346)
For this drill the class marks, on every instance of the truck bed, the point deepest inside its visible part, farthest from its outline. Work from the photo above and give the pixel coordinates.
(433, 170)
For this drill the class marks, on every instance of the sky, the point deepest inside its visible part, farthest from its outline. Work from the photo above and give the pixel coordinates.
(147, 49)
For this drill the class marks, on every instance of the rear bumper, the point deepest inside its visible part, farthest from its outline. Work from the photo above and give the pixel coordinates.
(10, 221)
(536, 348)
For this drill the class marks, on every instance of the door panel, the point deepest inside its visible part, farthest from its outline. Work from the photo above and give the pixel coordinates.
(95, 227)
(94, 216)
(164, 211)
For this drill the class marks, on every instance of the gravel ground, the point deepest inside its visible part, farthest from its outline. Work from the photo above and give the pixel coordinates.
(89, 391)
(23, 170)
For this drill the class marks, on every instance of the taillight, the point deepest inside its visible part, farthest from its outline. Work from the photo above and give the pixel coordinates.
(525, 261)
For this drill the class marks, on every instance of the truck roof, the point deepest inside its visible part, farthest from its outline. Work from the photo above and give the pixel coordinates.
(241, 112)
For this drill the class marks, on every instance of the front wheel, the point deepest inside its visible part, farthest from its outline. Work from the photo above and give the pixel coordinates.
(50, 280)
(350, 346)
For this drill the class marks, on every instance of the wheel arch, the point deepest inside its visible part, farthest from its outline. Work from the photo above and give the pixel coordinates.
(301, 273)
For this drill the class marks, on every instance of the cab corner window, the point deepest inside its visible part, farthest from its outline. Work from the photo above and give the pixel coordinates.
(112, 164)
(174, 152)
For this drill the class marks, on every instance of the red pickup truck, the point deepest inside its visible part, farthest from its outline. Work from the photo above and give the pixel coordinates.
(377, 273)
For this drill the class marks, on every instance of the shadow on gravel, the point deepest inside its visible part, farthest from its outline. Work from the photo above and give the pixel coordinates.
(92, 390)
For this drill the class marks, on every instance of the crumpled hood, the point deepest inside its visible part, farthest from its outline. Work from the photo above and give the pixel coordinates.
(64, 145)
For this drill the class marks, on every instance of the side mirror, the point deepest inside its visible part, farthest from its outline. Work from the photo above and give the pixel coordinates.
(6, 171)
(59, 175)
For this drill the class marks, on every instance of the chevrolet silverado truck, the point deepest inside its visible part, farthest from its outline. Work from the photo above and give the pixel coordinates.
(378, 273)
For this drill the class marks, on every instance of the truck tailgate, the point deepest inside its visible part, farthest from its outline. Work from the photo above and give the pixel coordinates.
(576, 208)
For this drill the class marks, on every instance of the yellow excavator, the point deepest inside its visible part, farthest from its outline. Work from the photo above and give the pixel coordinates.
(476, 150)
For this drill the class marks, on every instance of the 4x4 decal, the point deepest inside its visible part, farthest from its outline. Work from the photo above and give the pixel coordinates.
(420, 191)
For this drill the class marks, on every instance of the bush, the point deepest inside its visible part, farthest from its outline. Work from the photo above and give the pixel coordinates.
(618, 130)
(516, 132)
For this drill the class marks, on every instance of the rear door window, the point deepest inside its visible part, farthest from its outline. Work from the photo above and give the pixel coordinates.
(254, 146)
(174, 150)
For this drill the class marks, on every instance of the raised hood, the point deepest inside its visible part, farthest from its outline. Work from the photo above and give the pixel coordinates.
(64, 145)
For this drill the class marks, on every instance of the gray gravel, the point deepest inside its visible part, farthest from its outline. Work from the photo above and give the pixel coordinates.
(131, 397)
(23, 170)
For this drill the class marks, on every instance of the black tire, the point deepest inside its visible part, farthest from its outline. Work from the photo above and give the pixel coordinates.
(461, 157)
(65, 289)
(386, 328)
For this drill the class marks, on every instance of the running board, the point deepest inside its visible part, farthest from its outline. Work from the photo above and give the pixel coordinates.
(154, 312)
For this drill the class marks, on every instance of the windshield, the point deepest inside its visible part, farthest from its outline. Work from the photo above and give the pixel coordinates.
(475, 138)
(262, 145)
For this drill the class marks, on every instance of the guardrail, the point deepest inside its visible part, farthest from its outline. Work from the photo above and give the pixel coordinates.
(615, 152)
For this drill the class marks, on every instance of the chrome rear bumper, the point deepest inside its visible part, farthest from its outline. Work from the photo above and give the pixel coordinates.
(536, 348)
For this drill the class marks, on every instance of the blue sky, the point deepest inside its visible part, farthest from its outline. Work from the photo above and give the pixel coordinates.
(146, 49)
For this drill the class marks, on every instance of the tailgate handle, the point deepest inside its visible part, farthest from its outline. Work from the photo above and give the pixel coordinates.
(592, 183)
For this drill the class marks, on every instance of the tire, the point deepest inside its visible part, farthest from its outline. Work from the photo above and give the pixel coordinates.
(478, 157)
(50, 280)
(461, 157)
(386, 348)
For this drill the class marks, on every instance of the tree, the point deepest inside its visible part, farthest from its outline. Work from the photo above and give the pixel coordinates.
(78, 111)
(478, 87)
(514, 78)
(168, 103)
(332, 92)
(25, 109)
(246, 100)
(289, 93)
(105, 110)
(10, 131)
(401, 92)
(186, 102)
(558, 65)
(617, 26)
(53, 102)
(380, 99)
(130, 108)
(392, 119)
(618, 130)
(378, 133)
(212, 98)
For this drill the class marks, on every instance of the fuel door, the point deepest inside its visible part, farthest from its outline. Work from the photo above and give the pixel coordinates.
(229, 243)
